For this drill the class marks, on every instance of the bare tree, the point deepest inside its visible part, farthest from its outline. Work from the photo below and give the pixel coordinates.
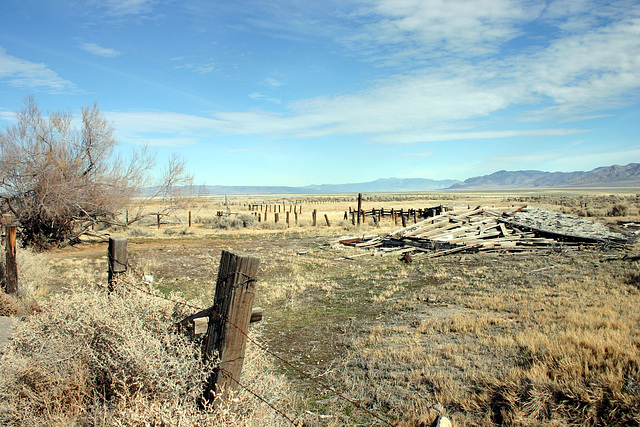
(58, 179)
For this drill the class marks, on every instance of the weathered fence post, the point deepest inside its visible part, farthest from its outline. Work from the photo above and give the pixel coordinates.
(11, 264)
(314, 215)
(359, 206)
(158, 221)
(189, 218)
(117, 258)
(326, 218)
(229, 321)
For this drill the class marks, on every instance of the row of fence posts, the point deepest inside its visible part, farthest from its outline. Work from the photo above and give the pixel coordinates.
(263, 212)
(226, 322)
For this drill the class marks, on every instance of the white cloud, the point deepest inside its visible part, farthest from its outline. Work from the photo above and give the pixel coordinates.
(410, 31)
(206, 68)
(462, 81)
(22, 73)
(236, 150)
(270, 81)
(263, 97)
(99, 50)
(126, 7)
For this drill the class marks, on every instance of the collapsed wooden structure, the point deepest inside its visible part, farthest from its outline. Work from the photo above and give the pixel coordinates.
(495, 229)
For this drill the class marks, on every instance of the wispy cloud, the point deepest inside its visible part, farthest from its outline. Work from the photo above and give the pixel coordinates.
(271, 81)
(98, 50)
(126, 7)
(235, 150)
(263, 97)
(452, 71)
(206, 68)
(22, 73)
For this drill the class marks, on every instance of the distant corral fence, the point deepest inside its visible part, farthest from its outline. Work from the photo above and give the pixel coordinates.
(290, 214)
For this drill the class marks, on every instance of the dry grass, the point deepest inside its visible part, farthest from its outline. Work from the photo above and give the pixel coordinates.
(495, 339)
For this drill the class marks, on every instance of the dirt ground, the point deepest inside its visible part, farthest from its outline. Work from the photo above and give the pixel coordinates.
(6, 330)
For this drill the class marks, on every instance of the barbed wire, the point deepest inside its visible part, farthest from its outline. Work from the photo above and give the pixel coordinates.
(258, 345)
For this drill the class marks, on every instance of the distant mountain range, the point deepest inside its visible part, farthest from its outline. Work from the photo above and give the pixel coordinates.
(386, 185)
(610, 176)
(604, 177)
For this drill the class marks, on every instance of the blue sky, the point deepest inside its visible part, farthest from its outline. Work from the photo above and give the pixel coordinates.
(293, 92)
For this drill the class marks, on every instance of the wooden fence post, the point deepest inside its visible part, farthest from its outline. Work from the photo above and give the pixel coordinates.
(158, 221)
(11, 264)
(359, 206)
(326, 218)
(189, 218)
(117, 258)
(229, 321)
(314, 215)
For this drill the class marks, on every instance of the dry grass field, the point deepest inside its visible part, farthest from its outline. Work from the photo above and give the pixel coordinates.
(520, 339)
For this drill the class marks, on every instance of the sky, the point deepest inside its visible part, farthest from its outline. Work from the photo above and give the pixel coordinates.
(301, 92)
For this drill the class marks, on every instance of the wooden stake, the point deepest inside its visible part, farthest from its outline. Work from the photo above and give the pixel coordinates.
(359, 206)
(11, 264)
(117, 259)
(229, 321)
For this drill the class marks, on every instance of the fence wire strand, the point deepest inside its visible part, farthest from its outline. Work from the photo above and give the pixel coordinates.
(258, 345)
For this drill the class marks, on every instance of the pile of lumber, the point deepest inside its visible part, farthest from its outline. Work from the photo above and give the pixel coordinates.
(495, 229)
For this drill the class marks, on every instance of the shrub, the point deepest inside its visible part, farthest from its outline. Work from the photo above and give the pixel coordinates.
(235, 221)
(93, 358)
(619, 209)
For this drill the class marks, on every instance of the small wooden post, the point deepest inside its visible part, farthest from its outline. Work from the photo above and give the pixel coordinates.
(11, 264)
(314, 215)
(189, 218)
(288, 219)
(359, 206)
(229, 321)
(326, 218)
(158, 221)
(117, 258)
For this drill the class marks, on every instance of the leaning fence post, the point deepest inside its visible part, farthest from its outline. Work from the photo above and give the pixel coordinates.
(11, 264)
(229, 321)
(117, 254)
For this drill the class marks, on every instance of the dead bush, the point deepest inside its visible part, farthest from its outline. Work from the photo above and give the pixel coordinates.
(619, 209)
(93, 358)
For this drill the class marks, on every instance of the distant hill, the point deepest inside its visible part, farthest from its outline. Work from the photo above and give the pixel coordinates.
(610, 176)
(386, 185)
